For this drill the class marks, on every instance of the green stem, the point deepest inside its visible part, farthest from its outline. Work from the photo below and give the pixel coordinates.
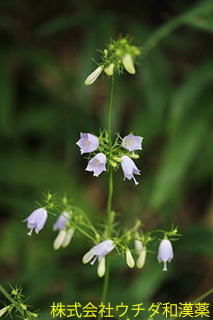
(6, 294)
(109, 113)
(109, 200)
(82, 231)
(203, 296)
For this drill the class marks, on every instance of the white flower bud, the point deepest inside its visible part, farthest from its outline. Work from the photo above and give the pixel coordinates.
(59, 239)
(141, 259)
(129, 259)
(109, 70)
(93, 76)
(138, 246)
(101, 267)
(88, 256)
(68, 238)
(128, 63)
(4, 310)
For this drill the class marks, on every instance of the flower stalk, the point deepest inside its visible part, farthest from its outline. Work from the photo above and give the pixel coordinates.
(110, 193)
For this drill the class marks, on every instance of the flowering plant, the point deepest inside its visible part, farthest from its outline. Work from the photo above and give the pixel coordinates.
(103, 154)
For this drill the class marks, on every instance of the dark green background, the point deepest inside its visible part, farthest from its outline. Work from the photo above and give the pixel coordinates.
(45, 56)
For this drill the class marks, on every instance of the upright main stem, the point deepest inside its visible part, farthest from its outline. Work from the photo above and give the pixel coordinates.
(110, 193)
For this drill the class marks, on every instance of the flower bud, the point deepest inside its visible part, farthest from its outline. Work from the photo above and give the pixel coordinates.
(123, 41)
(49, 197)
(117, 159)
(138, 246)
(142, 258)
(109, 70)
(118, 52)
(4, 310)
(113, 164)
(93, 76)
(23, 306)
(59, 239)
(68, 238)
(128, 63)
(129, 259)
(101, 267)
(135, 156)
(88, 256)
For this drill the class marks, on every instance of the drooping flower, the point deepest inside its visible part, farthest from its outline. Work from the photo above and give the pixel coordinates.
(132, 143)
(93, 76)
(97, 164)
(99, 252)
(36, 220)
(88, 143)
(165, 252)
(109, 70)
(128, 63)
(129, 168)
(129, 259)
(141, 259)
(138, 246)
(63, 238)
(62, 221)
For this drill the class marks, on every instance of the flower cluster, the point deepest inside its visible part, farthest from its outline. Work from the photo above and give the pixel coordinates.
(89, 143)
(118, 55)
(99, 251)
(38, 218)
(72, 219)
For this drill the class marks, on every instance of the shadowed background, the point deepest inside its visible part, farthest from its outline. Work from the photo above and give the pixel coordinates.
(45, 56)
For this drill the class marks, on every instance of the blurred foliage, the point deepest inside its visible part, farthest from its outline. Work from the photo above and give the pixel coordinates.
(45, 56)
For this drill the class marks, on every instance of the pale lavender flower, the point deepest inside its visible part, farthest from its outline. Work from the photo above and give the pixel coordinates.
(62, 221)
(165, 252)
(129, 168)
(99, 251)
(97, 164)
(36, 220)
(88, 143)
(132, 143)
